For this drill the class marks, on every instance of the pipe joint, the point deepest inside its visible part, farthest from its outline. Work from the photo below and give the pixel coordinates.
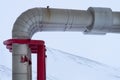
(102, 21)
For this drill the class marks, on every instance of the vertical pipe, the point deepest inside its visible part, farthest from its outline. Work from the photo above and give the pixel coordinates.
(20, 69)
(41, 67)
(29, 65)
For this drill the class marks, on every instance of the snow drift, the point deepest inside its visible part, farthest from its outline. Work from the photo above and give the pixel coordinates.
(66, 66)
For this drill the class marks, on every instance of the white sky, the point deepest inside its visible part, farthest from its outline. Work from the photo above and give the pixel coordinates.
(105, 49)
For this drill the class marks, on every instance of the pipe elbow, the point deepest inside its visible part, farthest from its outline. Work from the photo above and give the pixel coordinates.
(27, 23)
(92, 21)
(45, 19)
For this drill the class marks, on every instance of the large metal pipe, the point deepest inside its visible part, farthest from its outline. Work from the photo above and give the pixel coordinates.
(42, 19)
(91, 21)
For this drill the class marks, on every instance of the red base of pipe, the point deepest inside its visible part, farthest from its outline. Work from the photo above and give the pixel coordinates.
(36, 46)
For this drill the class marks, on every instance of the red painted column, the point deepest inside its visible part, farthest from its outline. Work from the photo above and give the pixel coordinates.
(41, 63)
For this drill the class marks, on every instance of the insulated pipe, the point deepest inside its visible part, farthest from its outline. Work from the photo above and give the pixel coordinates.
(21, 70)
(91, 21)
(42, 19)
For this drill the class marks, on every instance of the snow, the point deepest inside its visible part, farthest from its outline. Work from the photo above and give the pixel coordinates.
(5, 73)
(66, 66)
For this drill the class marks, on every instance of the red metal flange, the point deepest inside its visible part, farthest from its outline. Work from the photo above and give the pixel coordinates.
(33, 44)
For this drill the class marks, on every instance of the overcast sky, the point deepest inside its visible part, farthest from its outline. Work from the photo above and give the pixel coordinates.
(105, 49)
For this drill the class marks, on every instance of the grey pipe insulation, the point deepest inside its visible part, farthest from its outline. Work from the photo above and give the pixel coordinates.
(92, 21)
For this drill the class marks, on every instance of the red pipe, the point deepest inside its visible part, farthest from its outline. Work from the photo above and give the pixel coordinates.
(41, 62)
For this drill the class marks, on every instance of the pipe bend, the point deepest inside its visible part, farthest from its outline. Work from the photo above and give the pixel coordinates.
(92, 21)
(27, 23)
(45, 19)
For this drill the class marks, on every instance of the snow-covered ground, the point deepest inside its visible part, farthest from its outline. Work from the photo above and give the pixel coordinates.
(66, 66)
